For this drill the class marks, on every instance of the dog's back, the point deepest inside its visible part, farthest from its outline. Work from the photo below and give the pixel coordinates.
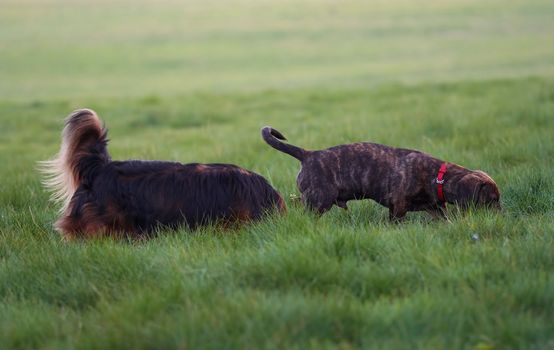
(138, 196)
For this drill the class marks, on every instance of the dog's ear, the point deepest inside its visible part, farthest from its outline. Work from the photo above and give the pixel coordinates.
(468, 188)
(477, 189)
(489, 195)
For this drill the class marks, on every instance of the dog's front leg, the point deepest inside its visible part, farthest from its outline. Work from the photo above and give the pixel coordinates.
(438, 213)
(341, 204)
(397, 211)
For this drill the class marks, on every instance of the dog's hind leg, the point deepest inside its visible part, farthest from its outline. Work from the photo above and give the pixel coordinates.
(341, 204)
(437, 213)
(83, 223)
(319, 201)
(72, 228)
(397, 211)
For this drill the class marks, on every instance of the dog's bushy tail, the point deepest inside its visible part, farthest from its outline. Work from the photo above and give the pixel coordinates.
(274, 137)
(82, 153)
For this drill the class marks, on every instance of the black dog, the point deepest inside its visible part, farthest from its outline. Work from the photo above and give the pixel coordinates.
(400, 179)
(105, 197)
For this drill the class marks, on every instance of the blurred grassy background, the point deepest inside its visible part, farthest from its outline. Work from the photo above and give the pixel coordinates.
(62, 49)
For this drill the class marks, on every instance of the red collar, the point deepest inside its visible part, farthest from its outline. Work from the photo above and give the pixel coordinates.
(440, 181)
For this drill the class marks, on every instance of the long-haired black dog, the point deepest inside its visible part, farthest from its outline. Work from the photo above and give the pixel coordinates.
(104, 197)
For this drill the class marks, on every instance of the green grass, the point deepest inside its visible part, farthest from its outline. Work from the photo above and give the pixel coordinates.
(476, 89)
(65, 48)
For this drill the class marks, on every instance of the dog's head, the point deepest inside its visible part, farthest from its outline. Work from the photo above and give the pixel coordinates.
(479, 189)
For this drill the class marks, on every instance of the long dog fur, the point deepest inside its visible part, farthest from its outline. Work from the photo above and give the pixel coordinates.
(99, 196)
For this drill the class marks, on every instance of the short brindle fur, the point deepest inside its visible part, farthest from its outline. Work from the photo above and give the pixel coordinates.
(105, 197)
(400, 179)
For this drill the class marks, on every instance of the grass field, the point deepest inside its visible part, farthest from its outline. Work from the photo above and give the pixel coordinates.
(470, 82)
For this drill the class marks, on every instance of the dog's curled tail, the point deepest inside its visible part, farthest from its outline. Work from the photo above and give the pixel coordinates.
(274, 137)
(83, 151)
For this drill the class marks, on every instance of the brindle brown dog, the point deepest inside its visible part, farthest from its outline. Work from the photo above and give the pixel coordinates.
(400, 179)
